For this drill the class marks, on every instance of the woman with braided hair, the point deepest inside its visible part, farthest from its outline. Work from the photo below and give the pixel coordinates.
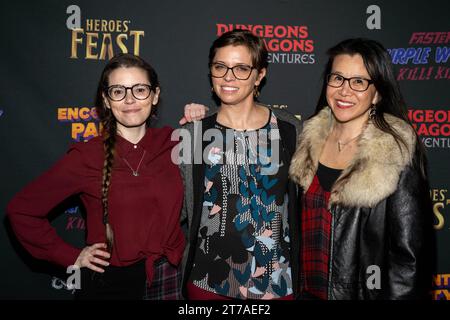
(133, 230)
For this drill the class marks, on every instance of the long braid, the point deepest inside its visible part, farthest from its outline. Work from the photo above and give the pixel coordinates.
(109, 147)
(109, 125)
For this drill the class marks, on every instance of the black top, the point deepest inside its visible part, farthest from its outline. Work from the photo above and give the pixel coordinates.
(327, 176)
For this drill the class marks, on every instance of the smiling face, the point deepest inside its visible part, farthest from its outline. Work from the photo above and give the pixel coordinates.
(349, 105)
(130, 112)
(232, 91)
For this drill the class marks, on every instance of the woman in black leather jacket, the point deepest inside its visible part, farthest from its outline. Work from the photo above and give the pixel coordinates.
(366, 228)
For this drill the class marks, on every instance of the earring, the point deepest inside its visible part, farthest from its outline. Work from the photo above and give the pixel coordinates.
(212, 89)
(256, 92)
(372, 112)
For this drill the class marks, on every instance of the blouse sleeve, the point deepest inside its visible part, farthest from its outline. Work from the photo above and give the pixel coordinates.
(29, 208)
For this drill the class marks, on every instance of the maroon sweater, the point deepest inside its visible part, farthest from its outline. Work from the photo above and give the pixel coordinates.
(144, 211)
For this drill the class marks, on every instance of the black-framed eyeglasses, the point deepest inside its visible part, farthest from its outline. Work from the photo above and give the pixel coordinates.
(140, 91)
(356, 83)
(240, 71)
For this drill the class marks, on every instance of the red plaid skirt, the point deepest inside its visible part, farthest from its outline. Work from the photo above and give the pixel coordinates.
(166, 284)
(315, 250)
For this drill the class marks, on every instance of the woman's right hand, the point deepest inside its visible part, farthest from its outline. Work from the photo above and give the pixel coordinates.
(89, 257)
(193, 112)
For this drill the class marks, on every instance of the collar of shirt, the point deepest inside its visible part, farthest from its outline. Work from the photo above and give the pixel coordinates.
(156, 141)
(125, 147)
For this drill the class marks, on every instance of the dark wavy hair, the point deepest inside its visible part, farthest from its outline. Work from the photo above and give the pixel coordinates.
(379, 66)
(109, 124)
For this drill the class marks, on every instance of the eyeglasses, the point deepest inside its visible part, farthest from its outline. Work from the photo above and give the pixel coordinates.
(118, 92)
(356, 83)
(240, 71)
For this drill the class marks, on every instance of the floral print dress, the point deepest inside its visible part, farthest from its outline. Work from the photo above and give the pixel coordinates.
(243, 244)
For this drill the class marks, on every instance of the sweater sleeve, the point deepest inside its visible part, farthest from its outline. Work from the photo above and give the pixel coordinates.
(29, 208)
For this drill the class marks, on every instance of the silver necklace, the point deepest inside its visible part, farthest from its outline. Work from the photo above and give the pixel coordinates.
(135, 172)
(341, 145)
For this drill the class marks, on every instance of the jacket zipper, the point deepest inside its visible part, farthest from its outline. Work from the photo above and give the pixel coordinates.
(330, 269)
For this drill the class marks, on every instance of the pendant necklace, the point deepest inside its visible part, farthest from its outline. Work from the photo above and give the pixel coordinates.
(135, 172)
(341, 145)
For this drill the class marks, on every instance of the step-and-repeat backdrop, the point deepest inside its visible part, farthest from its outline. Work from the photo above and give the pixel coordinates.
(52, 54)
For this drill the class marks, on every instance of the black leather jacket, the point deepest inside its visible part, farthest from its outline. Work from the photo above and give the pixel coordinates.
(381, 232)
(394, 236)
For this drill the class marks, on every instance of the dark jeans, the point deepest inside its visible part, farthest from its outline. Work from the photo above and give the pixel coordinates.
(125, 283)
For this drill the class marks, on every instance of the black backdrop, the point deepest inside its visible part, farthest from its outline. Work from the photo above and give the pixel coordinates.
(50, 72)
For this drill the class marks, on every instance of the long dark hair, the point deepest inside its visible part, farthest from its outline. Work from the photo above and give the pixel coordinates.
(379, 66)
(109, 125)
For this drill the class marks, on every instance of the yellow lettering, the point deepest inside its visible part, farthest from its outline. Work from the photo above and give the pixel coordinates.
(72, 114)
(438, 215)
(118, 26)
(111, 25)
(62, 114)
(434, 194)
(84, 113)
(437, 293)
(437, 280)
(446, 294)
(90, 44)
(97, 25)
(136, 34)
(89, 25)
(106, 46)
(104, 26)
(77, 130)
(446, 278)
(125, 25)
(75, 42)
(91, 130)
(120, 43)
